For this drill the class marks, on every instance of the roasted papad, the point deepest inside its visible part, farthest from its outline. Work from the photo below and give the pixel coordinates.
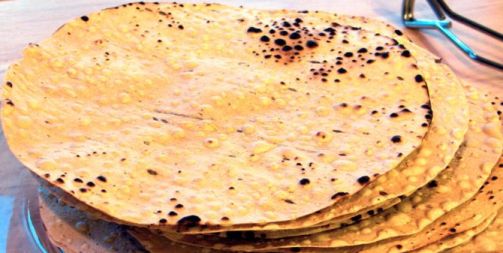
(179, 116)
(458, 183)
(465, 217)
(208, 128)
(386, 191)
(435, 154)
(71, 227)
(484, 242)
(487, 241)
(456, 239)
(469, 215)
(157, 244)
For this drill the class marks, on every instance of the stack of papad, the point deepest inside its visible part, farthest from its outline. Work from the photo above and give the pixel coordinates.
(285, 135)
(489, 240)
(75, 231)
(208, 128)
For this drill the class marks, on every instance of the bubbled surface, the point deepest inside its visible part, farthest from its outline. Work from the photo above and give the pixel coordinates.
(179, 115)
(438, 148)
(466, 173)
(457, 239)
(488, 240)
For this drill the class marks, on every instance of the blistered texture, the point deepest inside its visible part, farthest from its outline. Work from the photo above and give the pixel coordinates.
(456, 239)
(434, 154)
(487, 241)
(212, 115)
(490, 239)
(73, 231)
(465, 217)
(393, 183)
(288, 232)
(466, 173)
(488, 200)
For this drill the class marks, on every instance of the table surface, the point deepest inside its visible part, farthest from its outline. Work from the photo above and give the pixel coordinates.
(26, 21)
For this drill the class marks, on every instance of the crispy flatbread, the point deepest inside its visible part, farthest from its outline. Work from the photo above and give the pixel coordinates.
(466, 174)
(397, 183)
(487, 241)
(282, 116)
(71, 227)
(456, 239)
(273, 127)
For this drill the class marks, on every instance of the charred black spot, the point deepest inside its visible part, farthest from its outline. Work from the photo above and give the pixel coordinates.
(311, 44)
(152, 172)
(348, 54)
(298, 47)
(396, 139)
(280, 42)
(339, 194)
(362, 50)
(264, 38)
(286, 24)
(189, 221)
(252, 29)
(289, 201)
(406, 53)
(294, 36)
(363, 179)
(304, 181)
(419, 78)
(342, 71)
(356, 218)
(286, 48)
(433, 184)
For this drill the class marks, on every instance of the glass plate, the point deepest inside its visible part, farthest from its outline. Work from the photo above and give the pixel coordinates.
(21, 228)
